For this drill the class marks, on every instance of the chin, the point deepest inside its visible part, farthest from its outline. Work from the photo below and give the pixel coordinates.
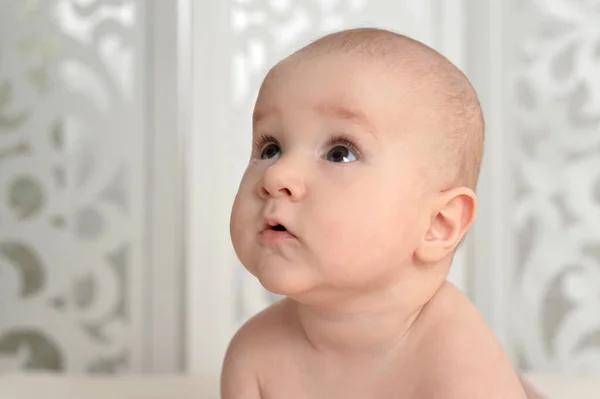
(289, 283)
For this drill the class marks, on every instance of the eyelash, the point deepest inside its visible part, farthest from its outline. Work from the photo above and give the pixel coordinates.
(263, 139)
(339, 139)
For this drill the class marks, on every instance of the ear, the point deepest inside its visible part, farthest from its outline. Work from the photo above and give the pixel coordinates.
(452, 213)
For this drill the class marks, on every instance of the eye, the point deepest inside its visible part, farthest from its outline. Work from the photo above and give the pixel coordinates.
(341, 154)
(270, 151)
(266, 146)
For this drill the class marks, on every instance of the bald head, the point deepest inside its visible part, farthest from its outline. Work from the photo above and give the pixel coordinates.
(458, 126)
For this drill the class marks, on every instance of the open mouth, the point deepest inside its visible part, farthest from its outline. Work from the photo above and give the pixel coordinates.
(278, 227)
(275, 232)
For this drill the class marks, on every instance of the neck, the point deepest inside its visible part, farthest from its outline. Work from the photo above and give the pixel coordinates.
(367, 325)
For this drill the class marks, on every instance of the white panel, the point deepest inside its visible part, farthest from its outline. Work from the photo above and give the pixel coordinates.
(491, 243)
(555, 88)
(72, 185)
(451, 31)
(537, 263)
(167, 113)
(209, 257)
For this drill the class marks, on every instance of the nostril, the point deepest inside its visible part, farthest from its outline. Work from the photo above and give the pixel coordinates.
(283, 192)
(263, 192)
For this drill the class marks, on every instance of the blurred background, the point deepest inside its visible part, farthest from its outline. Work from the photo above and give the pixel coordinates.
(125, 129)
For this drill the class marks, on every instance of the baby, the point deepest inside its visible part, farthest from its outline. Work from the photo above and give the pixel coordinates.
(367, 148)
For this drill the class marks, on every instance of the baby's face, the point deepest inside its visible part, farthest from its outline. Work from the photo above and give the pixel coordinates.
(338, 162)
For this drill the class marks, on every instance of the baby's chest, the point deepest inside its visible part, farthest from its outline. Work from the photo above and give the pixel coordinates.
(326, 380)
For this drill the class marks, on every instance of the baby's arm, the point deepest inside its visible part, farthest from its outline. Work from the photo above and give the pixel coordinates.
(238, 377)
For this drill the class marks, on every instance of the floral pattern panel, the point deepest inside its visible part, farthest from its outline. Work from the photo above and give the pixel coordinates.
(556, 54)
(71, 185)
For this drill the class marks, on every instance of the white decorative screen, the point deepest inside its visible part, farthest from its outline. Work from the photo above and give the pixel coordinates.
(553, 66)
(72, 183)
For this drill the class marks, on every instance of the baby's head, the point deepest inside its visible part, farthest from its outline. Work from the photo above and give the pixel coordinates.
(367, 147)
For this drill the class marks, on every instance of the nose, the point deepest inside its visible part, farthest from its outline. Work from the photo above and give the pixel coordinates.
(283, 179)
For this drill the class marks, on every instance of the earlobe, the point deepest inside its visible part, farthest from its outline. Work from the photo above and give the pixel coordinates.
(453, 212)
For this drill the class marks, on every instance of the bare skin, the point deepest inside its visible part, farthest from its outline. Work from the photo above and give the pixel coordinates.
(432, 360)
(343, 210)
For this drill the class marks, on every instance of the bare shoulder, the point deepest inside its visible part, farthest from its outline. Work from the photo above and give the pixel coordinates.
(459, 355)
(250, 350)
(264, 330)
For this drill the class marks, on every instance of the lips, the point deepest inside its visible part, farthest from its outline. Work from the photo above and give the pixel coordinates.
(274, 232)
(274, 224)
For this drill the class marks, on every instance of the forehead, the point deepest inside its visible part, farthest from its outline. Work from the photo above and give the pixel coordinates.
(339, 85)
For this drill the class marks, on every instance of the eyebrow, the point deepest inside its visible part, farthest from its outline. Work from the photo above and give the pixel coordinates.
(328, 109)
(261, 113)
(339, 111)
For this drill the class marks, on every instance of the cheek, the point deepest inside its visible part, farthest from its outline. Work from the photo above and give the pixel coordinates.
(365, 226)
(236, 220)
(243, 211)
(241, 227)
